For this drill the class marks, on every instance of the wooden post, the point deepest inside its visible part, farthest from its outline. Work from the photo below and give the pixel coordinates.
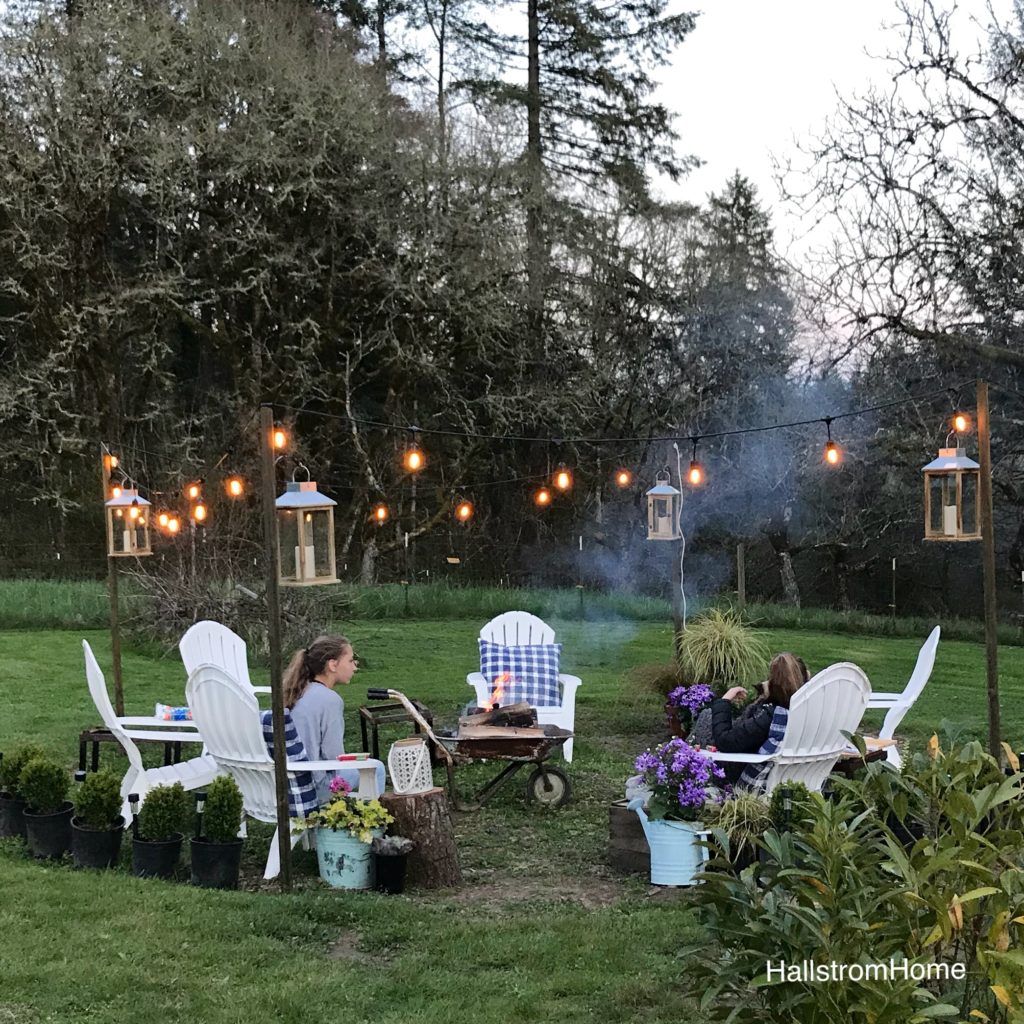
(269, 489)
(741, 575)
(988, 554)
(112, 592)
(676, 547)
(892, 604)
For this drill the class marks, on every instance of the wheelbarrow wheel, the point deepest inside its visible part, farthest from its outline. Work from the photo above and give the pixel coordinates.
(548, 786)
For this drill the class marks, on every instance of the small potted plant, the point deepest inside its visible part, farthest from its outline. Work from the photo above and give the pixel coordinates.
(44, 785)
(345, 828)
(678, 778)
(738, 822)
(216, 846)
(157, 831)
(684, 704)
(12, 803)
(97, 827)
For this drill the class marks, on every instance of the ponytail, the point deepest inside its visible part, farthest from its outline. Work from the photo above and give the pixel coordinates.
(308, 663)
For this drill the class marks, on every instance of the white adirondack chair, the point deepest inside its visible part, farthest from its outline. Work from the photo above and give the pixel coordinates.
(515, 629)
(825, 707)
(192, 774)
(898, 704)
(228, 717)
(210, 643)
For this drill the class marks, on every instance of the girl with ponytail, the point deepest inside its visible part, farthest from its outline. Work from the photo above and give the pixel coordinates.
(316, 710)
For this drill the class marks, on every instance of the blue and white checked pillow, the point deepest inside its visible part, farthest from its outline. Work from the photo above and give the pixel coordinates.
(754, 775)
(301, 787)
(532, 671)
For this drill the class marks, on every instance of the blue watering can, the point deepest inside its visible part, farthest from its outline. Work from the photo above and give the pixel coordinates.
(676, 853)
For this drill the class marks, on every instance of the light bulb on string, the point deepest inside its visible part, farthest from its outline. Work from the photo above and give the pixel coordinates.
(194, 490)
(279, 438)
(115, 491)
(163, 520)
(833, 453)
(623, 478)
(380, 514)
(199, 512)
(695, 474)
(114, 461)
(464, 511)
(562, 478)
(961, 422)
(235, 487)
(414, 459)
(542, 497)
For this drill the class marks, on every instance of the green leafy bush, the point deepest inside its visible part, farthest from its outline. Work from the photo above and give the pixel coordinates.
(13, 763)
(800, 805)
(44, 785)
(98, 800)
(165, 813)
(222, 814)
(720, 649)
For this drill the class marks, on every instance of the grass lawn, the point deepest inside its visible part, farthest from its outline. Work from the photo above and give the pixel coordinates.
(541, 931)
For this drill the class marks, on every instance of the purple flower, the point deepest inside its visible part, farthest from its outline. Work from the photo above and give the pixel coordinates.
(691, 698)
(339, 785)
(680, 777)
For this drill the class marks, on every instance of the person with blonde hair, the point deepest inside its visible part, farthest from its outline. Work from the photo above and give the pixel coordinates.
(317, 711)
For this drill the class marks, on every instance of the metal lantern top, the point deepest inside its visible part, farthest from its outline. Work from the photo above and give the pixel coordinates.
(663, 509)
(305, 536)
(951, 488)
(128, 524)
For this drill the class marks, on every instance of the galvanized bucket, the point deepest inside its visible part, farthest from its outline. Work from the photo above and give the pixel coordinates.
(345, 861)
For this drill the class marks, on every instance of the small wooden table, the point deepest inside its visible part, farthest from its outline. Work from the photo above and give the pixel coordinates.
(172, 748)
(850, 761)
(373, 716)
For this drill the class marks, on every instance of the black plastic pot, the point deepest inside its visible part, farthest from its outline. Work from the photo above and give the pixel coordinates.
(49, 835)
(96, 848)
(390, 871)
(12, 816)
(156, 860)
(216, 865)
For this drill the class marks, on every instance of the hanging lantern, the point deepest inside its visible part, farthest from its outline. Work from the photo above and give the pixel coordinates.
(562, 478)
(623, 478)
(663, 509)
(464, 511)
(951, 485)
(305, 536)
(234, 486)
(542, 497)
(128, 524)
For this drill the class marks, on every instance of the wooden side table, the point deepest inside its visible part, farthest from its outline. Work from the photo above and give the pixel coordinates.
(373, 716)
(172, 749)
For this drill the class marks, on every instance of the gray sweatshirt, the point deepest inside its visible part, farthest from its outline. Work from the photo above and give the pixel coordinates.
(319, 717)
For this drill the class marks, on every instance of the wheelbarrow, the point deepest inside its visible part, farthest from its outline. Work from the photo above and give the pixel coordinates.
(546, 784)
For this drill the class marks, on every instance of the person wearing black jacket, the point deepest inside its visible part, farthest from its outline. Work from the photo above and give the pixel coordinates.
(746, 734)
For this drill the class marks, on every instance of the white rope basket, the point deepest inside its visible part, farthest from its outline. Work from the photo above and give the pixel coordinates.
(409, 766)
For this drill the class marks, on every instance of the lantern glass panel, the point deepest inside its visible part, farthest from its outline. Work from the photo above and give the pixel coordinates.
(661, 509)
(318, 533)
(288, 544)
(969, 503)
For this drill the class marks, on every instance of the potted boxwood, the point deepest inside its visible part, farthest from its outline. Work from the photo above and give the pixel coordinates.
(216, 846)
(157, 831)
(44, 785)
(97, 827)
(12, 803)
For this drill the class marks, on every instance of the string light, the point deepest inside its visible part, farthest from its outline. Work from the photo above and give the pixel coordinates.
(414, 459)
(115, 491)
(563, 478)
(961, 422)
(623, 478)
(380, 514)
(542, 497)
(833, 453)
(235, 487)
(194, 490)
(199, 512)
(163, 520)
(695, 474)
(464, 511)
(173, 525)
(114, 463)
(279, 438)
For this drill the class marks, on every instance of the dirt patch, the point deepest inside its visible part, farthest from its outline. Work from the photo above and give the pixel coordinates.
(493, 889)
(346, 947)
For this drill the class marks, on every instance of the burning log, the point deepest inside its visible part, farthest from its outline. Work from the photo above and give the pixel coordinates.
(517, 715)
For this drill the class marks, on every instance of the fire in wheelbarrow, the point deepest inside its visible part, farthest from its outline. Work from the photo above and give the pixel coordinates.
(509, 734)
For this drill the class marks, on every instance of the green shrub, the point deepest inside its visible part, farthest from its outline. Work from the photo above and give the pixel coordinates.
(12, 765)
(165, 813)
(800, 801)
(98, 800)
(743, 819)
(720, 649)
(222, 814)
(44, 785)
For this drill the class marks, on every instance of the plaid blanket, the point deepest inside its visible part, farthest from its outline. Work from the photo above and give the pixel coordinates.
(301, 787)
(755, 775)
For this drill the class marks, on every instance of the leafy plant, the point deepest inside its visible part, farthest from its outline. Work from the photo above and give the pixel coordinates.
(222, 813)
(720, 649)
(98, 800)
(12, 764)
(165, 813)
(346, 813)
(44, 785)
(800, 809)
(679, 778)
(742, 818)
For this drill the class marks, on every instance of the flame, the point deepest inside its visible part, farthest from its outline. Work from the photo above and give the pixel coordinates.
(498, 694)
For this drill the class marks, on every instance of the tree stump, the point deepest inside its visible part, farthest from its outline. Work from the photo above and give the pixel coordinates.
(426, 819)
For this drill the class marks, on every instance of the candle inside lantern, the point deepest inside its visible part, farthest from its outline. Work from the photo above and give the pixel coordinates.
(127, 540)
(305, 571)
(949, 519)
